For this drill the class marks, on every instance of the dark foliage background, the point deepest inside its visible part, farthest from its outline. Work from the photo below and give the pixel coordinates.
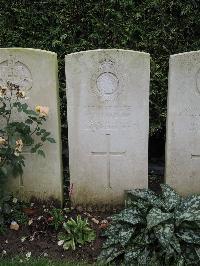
(158, 27)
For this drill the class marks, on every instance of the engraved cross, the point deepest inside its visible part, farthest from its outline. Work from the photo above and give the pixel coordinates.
(108, 155)
(195, 156)
(11, 68)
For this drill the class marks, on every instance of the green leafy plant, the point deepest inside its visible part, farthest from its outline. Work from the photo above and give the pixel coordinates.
(19, 217)
(17, 214)
(19, 134)
(77, 232)
(11, 210)
(5, 210)
(155, 230)
(57, 218)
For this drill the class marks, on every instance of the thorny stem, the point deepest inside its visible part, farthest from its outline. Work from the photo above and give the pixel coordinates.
(37, 126)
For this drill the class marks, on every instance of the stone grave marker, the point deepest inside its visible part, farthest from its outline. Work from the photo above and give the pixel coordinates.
(35, 71)
(108, 121)
(183, 123)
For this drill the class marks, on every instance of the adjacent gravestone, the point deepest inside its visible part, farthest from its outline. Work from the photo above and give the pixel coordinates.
(108, 118)
(35, 71)
(183, 123)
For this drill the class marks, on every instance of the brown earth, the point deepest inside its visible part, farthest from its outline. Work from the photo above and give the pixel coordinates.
(41, 240)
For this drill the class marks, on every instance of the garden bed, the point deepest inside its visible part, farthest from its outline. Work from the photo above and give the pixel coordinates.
(38, 238)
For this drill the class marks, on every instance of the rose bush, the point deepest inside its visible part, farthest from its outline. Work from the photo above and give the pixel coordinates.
(19, 133)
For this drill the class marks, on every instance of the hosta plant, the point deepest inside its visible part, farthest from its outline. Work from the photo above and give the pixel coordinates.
(77, 232)
(155, 230)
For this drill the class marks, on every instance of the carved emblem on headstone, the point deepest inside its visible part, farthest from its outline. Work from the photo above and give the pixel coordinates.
(105, 83)
(15, 72)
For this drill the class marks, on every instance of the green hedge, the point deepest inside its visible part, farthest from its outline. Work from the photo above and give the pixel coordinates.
(158, 27)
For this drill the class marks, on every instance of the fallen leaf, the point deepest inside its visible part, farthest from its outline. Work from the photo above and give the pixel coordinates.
(14, 226)
(30, 221)
(87, 214)
(23, 239)
(60, 242)
(50, 219)
(95, 220)
(103, 226)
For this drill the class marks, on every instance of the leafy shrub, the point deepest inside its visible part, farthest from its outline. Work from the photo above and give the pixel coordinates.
(57, 218)
(77, 232)
(72, 26)
(155, 230)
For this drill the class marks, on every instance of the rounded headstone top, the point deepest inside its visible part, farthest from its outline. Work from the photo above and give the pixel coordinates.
(191, 53)
(109, 51)
(26, 49)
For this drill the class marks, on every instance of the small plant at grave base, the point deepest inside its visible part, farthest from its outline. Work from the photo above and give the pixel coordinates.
(11, 210)
(56, 218)
(5, 210)
(155, 230)
(77, 232)
(17, 136)
(19, 216)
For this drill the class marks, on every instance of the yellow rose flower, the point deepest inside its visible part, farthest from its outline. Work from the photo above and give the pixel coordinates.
(2, 141)
(2, 91)
(37, 108)
(42, 110)
(18, 147)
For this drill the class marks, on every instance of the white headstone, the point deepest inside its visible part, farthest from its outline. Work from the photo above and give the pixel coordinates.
(183, 123)
(108, 119)
(35, 71)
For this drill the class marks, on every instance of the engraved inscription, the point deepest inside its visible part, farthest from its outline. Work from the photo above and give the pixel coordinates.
(108, 153)
(190, 111)
(194, 123)
(109, 117)
(15, 72)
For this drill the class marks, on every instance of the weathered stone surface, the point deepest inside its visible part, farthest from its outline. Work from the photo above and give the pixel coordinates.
(183, 123)
(108, 118)
(35, 71)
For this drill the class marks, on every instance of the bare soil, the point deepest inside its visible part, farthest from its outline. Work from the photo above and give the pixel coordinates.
(41, 240)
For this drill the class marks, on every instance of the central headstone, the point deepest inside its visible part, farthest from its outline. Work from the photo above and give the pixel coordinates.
(107, 92)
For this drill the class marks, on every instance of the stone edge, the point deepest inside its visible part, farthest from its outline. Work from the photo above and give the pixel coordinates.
(28, 49)
(108, 50)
